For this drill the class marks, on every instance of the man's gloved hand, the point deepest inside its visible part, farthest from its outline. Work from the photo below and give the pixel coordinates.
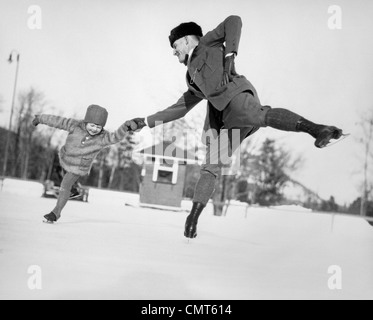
(229, 69)
(36, 120)
(135, 124)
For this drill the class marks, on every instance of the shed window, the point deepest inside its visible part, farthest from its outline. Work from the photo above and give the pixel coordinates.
(164, 176)
(165, 173)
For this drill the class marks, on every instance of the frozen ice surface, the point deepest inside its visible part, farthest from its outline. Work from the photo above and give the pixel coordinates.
(106, 250)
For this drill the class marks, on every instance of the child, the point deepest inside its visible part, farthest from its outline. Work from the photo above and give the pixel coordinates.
(85, 140)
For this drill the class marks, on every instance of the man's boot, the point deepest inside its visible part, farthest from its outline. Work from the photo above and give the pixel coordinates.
(192, 220)
(323, 134)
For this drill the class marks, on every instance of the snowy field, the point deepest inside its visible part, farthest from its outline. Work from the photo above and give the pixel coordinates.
(107, 250)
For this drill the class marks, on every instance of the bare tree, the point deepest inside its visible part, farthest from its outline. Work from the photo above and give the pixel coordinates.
(367, 143)
(101, 160)
(113, 162)
(30, 103)
(120, 157)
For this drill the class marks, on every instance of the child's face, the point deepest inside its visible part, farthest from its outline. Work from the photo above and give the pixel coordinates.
(93, 129)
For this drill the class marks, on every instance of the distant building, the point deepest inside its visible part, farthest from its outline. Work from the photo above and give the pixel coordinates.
(163, 174)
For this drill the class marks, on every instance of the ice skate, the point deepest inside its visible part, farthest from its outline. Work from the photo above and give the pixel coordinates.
(74, 194)
(326, 134)
(322, 133)
(50, 218)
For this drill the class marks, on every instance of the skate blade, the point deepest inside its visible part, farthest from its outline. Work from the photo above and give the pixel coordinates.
(343, 136)
(48, 222)
(190, 240)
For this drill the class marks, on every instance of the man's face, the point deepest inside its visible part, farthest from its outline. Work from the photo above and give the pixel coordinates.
(181, 49)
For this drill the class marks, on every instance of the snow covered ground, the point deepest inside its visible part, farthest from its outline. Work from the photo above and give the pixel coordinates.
(106, 250)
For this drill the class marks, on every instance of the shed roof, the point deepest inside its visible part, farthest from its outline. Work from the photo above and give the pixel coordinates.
(168, 150)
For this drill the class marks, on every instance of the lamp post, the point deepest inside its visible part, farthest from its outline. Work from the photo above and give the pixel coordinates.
(10, 60)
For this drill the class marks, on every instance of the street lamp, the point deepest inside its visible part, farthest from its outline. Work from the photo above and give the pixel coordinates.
(10, 60)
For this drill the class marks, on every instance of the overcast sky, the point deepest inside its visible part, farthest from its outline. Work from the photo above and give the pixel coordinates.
(116, 54)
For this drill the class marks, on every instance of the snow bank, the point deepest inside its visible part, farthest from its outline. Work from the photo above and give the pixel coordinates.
(293, 208)
(23, 187)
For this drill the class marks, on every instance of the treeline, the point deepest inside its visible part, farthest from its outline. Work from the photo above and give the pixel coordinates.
(264, 170)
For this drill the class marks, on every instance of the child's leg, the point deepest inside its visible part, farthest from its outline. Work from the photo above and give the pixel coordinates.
(68, 181)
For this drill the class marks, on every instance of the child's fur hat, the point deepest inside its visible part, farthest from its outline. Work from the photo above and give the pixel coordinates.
(97, 115)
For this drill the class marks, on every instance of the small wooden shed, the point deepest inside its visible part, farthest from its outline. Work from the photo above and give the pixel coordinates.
(163, 174)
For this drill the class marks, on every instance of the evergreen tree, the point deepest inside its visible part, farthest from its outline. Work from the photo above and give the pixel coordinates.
(269, 172)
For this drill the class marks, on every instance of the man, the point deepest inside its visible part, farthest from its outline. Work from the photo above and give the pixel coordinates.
(233, 102)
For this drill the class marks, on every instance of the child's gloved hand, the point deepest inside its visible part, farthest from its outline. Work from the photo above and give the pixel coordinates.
(36, 120)
(135, 124)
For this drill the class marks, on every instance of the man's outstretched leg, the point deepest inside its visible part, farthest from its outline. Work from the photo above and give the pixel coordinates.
(246, 109)
(286, 120)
